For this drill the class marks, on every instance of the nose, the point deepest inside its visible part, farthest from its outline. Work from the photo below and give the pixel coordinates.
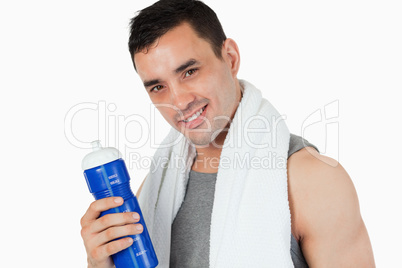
(181, 96)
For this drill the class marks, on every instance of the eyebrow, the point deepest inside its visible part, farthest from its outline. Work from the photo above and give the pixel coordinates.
(151, 82)
(185, 65)
(179, 69)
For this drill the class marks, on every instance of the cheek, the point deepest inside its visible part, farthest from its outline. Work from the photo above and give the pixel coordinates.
(224, 95)
(167, 113)
(223, 86)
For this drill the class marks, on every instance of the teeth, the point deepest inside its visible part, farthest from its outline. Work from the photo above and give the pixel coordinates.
(194, 116)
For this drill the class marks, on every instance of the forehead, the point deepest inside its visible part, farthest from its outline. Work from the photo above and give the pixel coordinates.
(171, 50)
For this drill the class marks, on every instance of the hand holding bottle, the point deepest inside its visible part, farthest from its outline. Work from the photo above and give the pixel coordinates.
(99, 234)
(113, 214)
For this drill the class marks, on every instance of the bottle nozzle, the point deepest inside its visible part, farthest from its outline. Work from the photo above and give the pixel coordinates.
(96, 145)
(99, 156)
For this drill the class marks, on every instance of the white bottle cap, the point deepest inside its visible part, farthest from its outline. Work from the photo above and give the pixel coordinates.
(99, 156)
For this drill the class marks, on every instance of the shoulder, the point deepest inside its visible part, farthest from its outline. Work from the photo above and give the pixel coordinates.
(324, 206)
(318, 188)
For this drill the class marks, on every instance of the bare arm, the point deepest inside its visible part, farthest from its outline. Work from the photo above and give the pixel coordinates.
(139, 189)
(327, 214)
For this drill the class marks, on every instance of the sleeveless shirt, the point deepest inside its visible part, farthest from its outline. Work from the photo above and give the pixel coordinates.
(192, 225)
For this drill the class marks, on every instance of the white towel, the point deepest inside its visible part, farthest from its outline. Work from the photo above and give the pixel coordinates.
(250, 224)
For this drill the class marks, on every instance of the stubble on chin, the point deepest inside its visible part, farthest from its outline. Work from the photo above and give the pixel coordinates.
(210, 138)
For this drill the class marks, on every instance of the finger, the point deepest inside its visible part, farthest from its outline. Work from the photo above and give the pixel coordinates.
(114, 219)
(98, 206)
(104, 251)
(117, 232)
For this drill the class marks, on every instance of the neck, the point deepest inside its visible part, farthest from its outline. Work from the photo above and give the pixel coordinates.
(208, 156)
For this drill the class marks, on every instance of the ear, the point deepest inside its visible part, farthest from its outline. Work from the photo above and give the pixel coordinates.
(230, 53)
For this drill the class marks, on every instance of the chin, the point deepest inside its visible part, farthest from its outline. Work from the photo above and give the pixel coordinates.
(200, 140)
(206, 139)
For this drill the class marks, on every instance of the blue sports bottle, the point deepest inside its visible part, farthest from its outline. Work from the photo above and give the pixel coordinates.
(106, 175)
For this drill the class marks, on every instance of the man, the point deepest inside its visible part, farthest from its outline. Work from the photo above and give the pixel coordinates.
(189, 69)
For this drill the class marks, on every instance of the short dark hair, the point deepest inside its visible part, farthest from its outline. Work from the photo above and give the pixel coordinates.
(154, 21)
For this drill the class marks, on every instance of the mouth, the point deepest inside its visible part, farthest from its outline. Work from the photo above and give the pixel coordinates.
(194, 120)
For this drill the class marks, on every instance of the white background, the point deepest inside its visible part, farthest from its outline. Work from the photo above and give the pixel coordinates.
(303, 55)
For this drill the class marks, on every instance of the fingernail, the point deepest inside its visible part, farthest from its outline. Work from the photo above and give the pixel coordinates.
(139, 227)
(117, 200)
(136, 216)
(129, 240)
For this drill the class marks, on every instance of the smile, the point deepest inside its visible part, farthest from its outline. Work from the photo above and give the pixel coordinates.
(195, 120)
(194, 116)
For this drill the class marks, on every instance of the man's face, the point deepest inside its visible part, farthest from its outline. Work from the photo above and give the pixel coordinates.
(195, 91)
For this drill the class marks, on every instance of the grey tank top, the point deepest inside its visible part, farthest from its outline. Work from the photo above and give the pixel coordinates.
(191, 227)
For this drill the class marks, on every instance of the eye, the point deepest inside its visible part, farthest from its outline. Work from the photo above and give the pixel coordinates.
(190, 72)
(156, 88)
